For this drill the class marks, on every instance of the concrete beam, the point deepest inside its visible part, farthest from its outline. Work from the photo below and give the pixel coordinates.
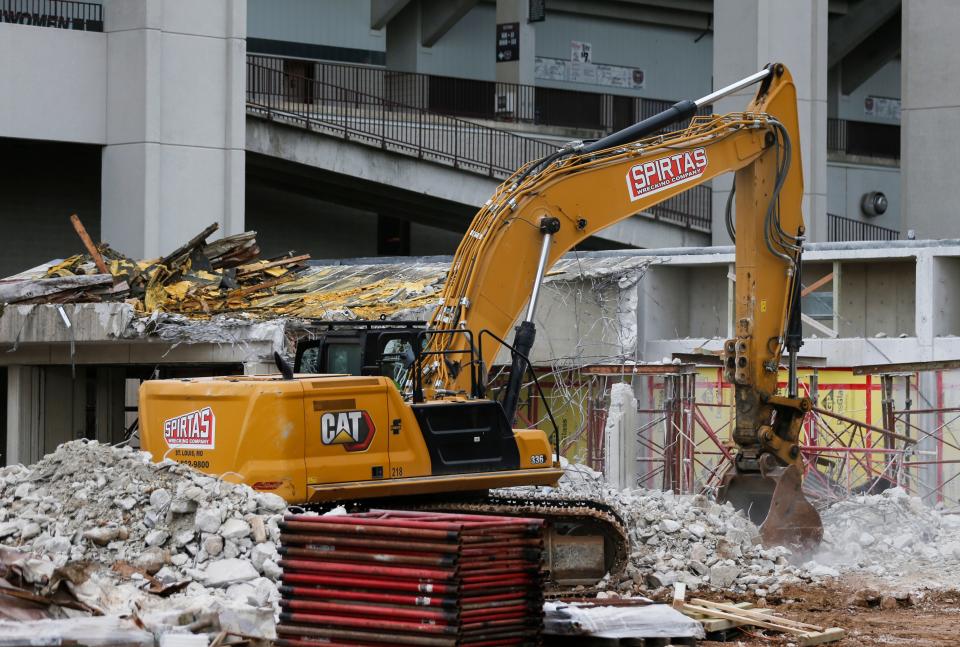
(634, 13)
(881, 47)
(383, 11)
(852, 29)
(437, 17)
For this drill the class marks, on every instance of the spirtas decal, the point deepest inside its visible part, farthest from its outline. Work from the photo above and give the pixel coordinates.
(193, 430)
(662, 173)
(352, 429)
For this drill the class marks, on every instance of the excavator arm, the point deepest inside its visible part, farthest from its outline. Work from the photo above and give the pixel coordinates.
(549, 206)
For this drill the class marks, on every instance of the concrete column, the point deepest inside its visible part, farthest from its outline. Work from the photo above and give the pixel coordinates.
(522, 69)
(620, 445)
(930, 118)
(174, 160)
(748, 34)
(24, 414)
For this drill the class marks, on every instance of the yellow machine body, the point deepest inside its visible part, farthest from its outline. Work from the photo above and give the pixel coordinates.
(319, 438)
(339, 437)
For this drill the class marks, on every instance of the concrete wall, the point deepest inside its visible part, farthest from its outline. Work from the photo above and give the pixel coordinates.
(847, 183)
(41, 184)
(337, 23)
(885, 83)
(660, 51)
(53, 84)
(877, 298)
(946, 308)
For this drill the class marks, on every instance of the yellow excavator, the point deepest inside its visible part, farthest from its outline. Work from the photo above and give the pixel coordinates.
(437, 440)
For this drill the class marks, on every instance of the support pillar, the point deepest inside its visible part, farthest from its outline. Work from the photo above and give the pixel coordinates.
(176, 117)
(747, 35)
(24, 415)
(930, 118)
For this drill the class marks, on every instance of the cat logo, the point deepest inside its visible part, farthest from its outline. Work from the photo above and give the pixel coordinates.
(352, 429)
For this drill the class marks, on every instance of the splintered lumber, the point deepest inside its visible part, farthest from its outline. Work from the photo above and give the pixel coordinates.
(88, 243)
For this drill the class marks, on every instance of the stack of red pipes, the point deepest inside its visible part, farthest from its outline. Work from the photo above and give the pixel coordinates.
(389, 577)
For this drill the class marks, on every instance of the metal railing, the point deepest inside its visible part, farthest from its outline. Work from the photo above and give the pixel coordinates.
(60, 14)
(691, 209)
(333, 106)
(358, 116)
(863, 138)
(840, 229)
(476, 99)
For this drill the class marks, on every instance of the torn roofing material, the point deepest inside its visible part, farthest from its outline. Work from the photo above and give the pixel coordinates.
(226, 279)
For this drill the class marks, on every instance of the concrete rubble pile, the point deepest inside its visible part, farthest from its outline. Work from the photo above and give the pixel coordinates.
(688, 539)
(892, 536)
(126, 535)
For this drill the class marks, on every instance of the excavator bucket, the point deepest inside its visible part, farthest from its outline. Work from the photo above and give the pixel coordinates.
(774, 500)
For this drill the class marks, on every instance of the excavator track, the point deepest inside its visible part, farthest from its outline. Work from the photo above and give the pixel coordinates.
(577, 528)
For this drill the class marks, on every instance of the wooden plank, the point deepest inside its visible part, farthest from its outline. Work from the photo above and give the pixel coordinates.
(766, 624)
(679, 594)
(816, 284)
(813, 323)
(720, 624)
(826, 636)
(754, 612)
(253, 268)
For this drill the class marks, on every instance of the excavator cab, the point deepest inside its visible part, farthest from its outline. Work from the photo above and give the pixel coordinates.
(384, 348)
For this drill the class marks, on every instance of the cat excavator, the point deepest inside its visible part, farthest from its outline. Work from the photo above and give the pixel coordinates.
(429, 436)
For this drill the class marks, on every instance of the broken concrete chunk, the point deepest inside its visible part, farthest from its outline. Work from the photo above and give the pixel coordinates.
(151, 560)
(271, 502)
(213, 545)
(723, 575)
(261, 553)
(101, 536)
(234, 529)
(156, 537)
(224, 572)
(160, 498)
(208, 519)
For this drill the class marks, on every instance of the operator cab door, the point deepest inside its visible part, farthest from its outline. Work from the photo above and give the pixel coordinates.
(347, 429)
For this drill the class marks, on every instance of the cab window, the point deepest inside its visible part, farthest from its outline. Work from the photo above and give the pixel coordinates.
(342, 358)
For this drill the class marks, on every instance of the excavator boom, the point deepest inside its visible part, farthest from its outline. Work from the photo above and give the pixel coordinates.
(551, 205)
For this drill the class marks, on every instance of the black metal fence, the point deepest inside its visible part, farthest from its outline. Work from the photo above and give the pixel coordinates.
(331, 99)
(691, 209)
(840, 229)
(60, 14)
(476, 99)
(863, 138)
(370, 119)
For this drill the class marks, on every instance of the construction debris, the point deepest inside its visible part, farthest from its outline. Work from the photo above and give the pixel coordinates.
(688, 539)
(197, 278)
(801, 634)
(892, 536)
(125, 535)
